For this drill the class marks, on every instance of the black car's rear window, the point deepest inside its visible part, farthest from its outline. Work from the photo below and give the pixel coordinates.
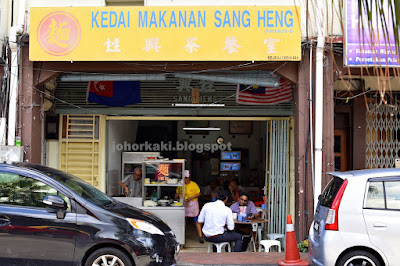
(330, 191)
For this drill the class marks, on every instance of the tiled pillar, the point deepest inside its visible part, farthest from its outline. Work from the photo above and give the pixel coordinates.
(29, 114)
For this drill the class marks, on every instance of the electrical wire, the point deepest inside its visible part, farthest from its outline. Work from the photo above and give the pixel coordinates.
(352, 97)
(51, 96)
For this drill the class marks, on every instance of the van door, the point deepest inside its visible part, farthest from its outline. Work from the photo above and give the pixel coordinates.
(382, 216)
(30, 232)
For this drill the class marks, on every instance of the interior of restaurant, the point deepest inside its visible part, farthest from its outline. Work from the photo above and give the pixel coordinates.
(214, 151)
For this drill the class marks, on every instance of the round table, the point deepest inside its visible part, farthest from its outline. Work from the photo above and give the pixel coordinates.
(251, 221)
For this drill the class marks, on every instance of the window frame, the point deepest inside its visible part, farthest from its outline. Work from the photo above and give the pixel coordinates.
(49, 182)
(383, 181)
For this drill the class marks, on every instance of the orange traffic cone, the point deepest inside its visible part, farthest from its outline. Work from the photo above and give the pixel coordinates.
(292, 255)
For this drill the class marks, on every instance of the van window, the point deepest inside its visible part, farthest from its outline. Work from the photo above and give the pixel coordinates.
(392, 189)
(330, 191)
(375, 196)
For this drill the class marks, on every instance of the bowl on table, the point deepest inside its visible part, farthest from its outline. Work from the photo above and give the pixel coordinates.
(163, 202)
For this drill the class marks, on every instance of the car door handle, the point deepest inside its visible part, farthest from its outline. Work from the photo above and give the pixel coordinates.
(379, 225)
(4, 222)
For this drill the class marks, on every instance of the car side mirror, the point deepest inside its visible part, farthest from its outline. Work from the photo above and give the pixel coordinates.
(55, 201)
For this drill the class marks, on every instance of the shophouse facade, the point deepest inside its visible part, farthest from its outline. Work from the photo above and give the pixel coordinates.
(59, 128)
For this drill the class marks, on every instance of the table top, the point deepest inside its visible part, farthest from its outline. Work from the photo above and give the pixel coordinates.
(251, 221)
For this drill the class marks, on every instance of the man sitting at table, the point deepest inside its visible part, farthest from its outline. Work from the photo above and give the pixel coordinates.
(210, 191)
(247, 209)
(215, 215)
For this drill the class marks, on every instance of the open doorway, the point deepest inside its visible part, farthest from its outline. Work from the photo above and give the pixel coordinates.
(255, 153)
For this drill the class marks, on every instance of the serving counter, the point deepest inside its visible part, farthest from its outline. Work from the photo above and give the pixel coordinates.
(173, 216)
(160, 181)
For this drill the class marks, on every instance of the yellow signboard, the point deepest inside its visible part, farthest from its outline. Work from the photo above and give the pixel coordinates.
(259, 33)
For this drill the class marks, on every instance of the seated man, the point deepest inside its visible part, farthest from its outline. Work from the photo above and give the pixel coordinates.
(246, 208)
(215, 215)
(210, 191)
(235, 189)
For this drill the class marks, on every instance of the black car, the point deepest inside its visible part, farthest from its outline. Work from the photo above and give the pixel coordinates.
(50, 217)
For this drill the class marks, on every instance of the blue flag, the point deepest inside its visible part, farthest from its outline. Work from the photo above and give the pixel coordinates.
(114, 93)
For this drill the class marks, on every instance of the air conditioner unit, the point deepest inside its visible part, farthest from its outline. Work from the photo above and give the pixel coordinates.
(11, 154)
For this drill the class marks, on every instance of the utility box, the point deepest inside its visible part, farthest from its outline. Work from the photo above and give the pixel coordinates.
(11, 154)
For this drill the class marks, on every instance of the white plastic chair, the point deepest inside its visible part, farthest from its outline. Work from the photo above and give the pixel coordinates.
(280, 237)
(219, 246)
(252, 242)
(267, 244)
(254, 229)
(262, 227)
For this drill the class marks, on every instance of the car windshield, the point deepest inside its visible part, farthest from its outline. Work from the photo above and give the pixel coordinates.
(79, 186)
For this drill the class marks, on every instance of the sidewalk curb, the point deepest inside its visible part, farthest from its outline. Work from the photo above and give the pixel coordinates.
(182, 263)
(193, 264)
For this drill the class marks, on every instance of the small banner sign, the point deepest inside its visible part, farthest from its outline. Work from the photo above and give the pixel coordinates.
(260, 33)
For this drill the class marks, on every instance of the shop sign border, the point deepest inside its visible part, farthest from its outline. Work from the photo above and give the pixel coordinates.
(257, 33)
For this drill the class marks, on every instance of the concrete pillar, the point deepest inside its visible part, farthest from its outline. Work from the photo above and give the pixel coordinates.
(328, 155)
(30, 119)
(303, 187)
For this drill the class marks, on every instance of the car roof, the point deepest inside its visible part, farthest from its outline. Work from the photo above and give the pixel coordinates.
(368, 173)
(25, 166)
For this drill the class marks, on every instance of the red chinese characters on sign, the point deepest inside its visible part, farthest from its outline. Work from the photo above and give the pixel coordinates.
(59, 33)
(162, 173)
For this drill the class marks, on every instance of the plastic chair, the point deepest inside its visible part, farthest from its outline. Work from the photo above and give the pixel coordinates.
(253, 232)
(261, 229)
(219, 246)
(267, 244)
(276, 237)
(254, 229)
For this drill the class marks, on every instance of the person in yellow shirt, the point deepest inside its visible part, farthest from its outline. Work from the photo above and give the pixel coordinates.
(192, 194)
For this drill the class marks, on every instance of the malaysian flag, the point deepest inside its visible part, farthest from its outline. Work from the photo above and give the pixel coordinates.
(257, 95)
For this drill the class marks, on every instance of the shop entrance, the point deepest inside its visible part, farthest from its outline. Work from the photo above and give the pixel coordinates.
(253, 152)
(216, 150)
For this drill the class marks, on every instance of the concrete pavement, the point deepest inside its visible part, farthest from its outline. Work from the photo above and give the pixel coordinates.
(232, 258)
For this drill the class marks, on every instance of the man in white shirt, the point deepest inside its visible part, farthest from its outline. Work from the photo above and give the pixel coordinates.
(214, 216)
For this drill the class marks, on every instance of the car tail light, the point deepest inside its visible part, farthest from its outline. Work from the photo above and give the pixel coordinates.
(332, 222)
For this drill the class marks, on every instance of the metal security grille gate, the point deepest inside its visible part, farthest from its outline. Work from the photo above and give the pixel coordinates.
(382, 133)
(80, 147)
(278, 175)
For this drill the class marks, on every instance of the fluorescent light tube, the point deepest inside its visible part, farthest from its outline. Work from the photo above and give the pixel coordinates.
(202, 128)
(198, 104)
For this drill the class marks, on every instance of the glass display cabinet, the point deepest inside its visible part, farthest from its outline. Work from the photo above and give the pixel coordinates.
(162, 180)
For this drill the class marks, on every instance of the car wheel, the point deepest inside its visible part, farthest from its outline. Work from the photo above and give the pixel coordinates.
(108, 257)
(358, 258)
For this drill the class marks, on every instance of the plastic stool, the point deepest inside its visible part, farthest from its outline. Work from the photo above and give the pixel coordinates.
(276, 237)
(267, 244)
(219, 246)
